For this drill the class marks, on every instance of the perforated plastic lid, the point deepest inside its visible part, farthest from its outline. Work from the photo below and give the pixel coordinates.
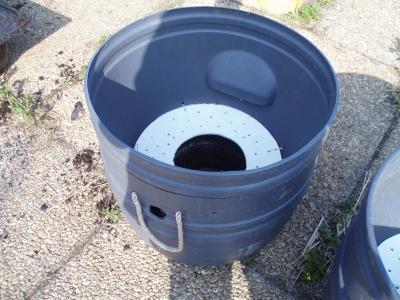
(389, 251)
(162, 138)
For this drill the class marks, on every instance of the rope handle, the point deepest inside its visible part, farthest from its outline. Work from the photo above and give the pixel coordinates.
(156, 241)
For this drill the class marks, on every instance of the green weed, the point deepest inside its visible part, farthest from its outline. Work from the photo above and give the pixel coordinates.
(66, 80)
(325, 2)
(281, 283)
(251, 259)
(49, 276)
(307, 13)
(25, 106)
(314, 267)
(83, 70)
(319, 254)
(111, 215)
(103, 39)
(397, 99)
(329, 239)
(310, 12)
(51, 131)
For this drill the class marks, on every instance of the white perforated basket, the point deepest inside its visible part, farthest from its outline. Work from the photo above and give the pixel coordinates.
(162, 138)
(389, 251)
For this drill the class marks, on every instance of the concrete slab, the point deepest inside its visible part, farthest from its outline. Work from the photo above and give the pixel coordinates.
(118, 265)
(371, 28)
(67, 33)
(44, 212)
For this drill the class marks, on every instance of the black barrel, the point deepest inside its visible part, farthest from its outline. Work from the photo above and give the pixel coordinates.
(229, 57)
(359, 272)
(8, 25)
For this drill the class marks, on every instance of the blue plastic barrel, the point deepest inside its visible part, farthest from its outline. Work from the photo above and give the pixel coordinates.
(229, 57)
(359, 271)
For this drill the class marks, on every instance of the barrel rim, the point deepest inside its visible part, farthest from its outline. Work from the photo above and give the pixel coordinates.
(243, 16)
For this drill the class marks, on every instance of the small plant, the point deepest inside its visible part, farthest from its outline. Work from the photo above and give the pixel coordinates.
(396, 92)
(111, 215)
(343, 217)
(314, 268)
(329, 239)
(51, 131)
(397, 99)
(82, 71)
(66, 80)
(39, 114)
(325, 2)
(49, 275)
(307, 13)
(108, 209)
(310, 12)
(281, 283)
(251, 259)
(103, 39)
(319, 254)
(24, 106)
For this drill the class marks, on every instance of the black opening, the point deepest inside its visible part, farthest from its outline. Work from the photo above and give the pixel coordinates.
(157, 211)
(210, 153)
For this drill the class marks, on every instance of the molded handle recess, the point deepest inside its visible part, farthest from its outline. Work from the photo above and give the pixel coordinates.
(242, 75)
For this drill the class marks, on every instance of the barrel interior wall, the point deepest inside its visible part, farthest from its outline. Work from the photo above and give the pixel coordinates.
(147, 80)
(385, 203)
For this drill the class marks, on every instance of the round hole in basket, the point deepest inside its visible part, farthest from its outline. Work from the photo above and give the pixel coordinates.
(210, 153)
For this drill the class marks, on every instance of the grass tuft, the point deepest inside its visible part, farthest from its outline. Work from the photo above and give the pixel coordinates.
(319, 254)
(325, 2)
(25, 106)
(310, 12)
(397, 99)
(328, 238)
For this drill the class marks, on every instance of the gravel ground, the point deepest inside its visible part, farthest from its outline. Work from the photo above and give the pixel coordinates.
(53, 243)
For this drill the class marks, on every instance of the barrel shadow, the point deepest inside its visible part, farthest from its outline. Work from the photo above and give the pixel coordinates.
(36, 23)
